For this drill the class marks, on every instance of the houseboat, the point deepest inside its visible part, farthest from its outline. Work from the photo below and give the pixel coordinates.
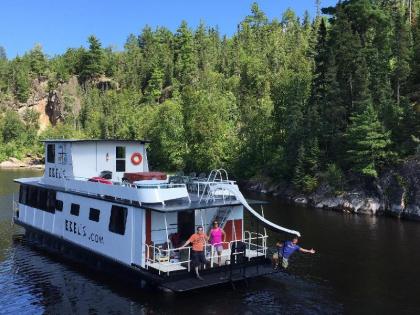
(98, 204)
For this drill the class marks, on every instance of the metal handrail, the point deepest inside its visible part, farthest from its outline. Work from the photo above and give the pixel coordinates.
(158, 253)
(213, 252)
(248, 241)
(127, 184)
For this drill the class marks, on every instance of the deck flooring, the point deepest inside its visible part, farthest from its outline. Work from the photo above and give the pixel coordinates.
(217, 278)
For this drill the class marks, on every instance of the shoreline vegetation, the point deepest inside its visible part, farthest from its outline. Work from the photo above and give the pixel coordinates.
(326, 106)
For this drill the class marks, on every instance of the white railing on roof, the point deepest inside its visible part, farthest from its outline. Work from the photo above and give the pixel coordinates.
(142, 193)
(204, 188)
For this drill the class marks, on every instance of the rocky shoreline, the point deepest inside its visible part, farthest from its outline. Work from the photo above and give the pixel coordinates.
(26, 163)
(396, 192)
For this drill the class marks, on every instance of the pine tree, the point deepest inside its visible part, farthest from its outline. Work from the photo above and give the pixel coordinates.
(368, 143)
(92, 62)
(37, 61)
(155, 85)
(402, 55)
(185, 58)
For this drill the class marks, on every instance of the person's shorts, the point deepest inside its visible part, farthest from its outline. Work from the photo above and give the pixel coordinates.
(284, 262)
(218, 248)
(197, 258)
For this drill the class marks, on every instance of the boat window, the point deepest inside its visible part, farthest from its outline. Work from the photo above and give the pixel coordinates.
(51, 201)
(32, 196)
(75, 209)
(58, 205)
(120, 159)
(94, 214)
(42, 199)
(118, 219)
(51, 153)
(23, 194)
(36, 197)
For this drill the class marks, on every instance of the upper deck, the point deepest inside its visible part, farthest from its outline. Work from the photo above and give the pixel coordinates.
(117, 169)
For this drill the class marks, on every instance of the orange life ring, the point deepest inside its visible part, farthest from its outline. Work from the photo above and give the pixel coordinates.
(136, 158)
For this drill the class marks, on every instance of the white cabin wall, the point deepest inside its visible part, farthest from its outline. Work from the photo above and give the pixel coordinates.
(133, 148)
(62, 168)
(89, 234)
(58, 226)
(104, 150)
(91, 158)
(95, 235)
(138, 236)
(84, 159)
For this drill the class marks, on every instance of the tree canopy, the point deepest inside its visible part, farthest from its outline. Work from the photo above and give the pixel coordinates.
(289, 98)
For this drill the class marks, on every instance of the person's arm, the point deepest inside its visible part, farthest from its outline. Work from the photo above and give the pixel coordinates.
(187, 242)
(224, 235)
(309, 251)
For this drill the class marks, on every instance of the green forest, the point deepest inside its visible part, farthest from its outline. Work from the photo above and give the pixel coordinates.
(302, 99)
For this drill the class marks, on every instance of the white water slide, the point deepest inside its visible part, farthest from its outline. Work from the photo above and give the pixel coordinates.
(234, 190)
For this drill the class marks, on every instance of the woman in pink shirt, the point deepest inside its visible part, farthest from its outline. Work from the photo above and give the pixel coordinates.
(216, 235)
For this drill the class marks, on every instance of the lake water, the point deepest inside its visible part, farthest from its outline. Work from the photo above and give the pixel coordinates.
(363, 265)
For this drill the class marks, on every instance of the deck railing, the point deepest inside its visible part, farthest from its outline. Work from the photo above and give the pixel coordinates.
(142, 193)
(167, 260)
(172, 259)
(256, 242)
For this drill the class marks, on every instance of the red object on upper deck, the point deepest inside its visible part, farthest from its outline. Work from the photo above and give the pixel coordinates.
(100, 180)
(133, 177)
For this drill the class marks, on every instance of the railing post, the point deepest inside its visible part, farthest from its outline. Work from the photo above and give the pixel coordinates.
(189, 259)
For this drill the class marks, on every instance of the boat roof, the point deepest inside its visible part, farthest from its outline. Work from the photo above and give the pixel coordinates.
(95, 140)
(176, 205)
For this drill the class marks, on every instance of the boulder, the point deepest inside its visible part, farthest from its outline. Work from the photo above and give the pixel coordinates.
(301, 200)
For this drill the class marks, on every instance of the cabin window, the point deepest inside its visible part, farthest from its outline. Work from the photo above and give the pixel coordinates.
(118, 220)
(61, 154)
(32, 196)
(36, 197)
(120, 159)
(51, 153)
(23, 194)
(94, 214)
(42, 199)
(75, 209)
(51, 201)
(58, 205)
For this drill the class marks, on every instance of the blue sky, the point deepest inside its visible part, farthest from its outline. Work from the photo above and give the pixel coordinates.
(60, 24)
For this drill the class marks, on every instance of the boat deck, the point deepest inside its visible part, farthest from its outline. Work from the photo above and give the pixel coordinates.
(224, 276)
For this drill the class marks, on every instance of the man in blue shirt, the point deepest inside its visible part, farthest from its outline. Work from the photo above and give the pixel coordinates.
(286, 249)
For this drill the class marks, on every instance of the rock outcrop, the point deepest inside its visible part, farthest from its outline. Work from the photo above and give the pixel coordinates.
(28, 162)
(52, 105)
(396, 192)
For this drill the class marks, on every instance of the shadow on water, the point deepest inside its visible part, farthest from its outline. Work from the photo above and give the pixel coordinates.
(363, 265)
